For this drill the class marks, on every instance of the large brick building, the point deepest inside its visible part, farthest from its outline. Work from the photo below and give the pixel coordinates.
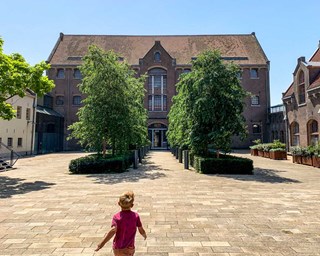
(163, 59)
(302, 102)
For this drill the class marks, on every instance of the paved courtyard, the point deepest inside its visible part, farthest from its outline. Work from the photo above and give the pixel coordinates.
(276, 212)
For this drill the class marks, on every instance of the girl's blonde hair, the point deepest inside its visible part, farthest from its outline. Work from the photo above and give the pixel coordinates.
(126, 200)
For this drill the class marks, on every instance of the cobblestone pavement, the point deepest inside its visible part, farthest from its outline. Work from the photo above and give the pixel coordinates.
(276, 212)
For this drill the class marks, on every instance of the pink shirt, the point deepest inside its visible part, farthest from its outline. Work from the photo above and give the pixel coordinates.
(126, 223)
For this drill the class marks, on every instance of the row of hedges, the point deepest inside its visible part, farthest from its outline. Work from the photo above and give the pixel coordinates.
(225, 164)
(96, 163)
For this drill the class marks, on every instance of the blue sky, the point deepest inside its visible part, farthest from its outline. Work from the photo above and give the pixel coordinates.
(286, 29)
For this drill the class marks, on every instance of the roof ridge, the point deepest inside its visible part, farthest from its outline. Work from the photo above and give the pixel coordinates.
(159, 35)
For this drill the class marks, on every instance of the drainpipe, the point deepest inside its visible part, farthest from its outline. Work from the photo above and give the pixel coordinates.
(33, 123)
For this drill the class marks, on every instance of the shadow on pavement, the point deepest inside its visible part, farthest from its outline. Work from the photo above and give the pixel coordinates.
(264, 176)
(15, 186)
(146, 170)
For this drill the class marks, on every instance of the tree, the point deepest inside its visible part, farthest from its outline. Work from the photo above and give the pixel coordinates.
(207, 110)
(113, 112)
(16, 76)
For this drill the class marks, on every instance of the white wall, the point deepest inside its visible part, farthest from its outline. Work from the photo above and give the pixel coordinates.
(20, 128)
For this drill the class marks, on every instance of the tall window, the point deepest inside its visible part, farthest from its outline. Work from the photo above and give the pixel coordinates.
(19, 110)
(157, 90)
(77, 74)
(10, 141)
(254, 73)
(157, 57)
(76, 100)
(255, 100)
(313, 133)
(295, 136)
(256, 128)
(60, 73)
(19, 142)
(59, 100)
(301, 88)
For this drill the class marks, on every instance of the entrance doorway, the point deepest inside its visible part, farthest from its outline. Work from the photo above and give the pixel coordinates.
(157, 136)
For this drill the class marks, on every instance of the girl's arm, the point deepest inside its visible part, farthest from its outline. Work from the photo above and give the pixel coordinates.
(142, 232)
(108, 236)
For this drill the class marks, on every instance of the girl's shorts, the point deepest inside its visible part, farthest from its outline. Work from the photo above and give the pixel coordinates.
(124, 252)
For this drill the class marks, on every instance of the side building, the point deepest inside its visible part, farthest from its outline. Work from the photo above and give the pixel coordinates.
(163, 59)
(302, 102)
(277, 123)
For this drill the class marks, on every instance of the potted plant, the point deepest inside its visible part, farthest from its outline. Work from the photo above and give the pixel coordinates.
(296, 154)
(260, 150)
(306, 157)
(266, 149)
(254, 148)
(278, 150)
(316, 156)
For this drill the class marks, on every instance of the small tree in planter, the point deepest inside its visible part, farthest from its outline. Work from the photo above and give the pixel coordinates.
(296, 154)
(307, 153)
(316, 156)
(278, 150)
(254, 148)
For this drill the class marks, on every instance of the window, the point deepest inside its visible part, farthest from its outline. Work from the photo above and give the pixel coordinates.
(255, 100)
(19, 142)
(77, 74)
(60, 73)
(19, 110)
(256, 128)
(157, 103)
(254, 73)
(76, 100)
(59, 100)
(313, 134)
(48, 101)
(10, 140)
(295, 136)
(301, 88)
(28, 112)
(157, 57)
(187, 70)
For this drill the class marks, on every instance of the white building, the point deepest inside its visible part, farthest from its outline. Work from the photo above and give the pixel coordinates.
(18, 133)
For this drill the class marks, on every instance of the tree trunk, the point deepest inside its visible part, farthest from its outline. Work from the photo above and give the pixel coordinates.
(104, 148)
(113, 146)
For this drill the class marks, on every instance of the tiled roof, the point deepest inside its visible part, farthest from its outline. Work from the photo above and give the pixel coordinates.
(315, 83)
(316, 55)
(289, 92)
(70, 48)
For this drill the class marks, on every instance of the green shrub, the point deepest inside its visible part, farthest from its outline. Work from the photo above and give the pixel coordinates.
(98, 164)
(277, 149)
(225, 164)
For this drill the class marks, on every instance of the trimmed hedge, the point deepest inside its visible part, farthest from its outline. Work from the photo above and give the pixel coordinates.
(98, 164)
(225, 164)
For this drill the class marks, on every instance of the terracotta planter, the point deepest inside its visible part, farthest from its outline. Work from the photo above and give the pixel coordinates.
(266, 154)
(306, 160)
(260, 153)
(297, 159)
(254, 152)
(278, 155)
(316, 161)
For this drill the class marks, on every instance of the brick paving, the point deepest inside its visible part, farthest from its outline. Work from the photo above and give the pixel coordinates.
(276, 212)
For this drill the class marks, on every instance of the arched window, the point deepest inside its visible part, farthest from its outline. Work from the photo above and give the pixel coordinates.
(301, 88)
(77, 74)
(60, 73)
(256, 128)
(295, 136)
(157, 57)
(313, 133)
(157, 90)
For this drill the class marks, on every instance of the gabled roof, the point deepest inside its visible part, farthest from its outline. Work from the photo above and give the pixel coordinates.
(316, 55)
(315, 83)
(242, 49)
(289, 92)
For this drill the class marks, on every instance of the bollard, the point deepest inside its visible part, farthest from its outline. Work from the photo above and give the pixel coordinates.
(180, 155)
(177, 153)
(135, 162)
(140, 155)
(186, 159)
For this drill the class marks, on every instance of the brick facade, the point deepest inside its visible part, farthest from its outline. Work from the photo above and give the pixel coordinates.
(170, 55)
(302, 102)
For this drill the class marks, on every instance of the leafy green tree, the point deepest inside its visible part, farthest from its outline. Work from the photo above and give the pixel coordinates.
(207, 111)
(16, 76)
(113, 112)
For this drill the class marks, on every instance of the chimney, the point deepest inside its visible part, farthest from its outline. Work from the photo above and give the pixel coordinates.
(302, 59)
